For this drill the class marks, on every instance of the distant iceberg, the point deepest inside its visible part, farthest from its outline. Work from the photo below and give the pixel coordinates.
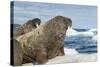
(94, 30)
(72, 32)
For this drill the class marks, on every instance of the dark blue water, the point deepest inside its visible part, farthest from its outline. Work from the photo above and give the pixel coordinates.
(81, 30)
(81, 43)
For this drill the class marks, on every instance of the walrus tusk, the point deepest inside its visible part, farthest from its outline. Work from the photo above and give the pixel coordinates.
(69, 29)
(37, 25)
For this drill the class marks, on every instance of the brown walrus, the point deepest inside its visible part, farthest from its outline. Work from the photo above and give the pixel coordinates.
(46, 41)
(27, 27)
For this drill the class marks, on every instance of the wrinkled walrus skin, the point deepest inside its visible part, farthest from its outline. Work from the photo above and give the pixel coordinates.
(46, 41)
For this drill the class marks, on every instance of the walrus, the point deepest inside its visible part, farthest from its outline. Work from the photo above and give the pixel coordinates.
(46, 41)
(27, 27)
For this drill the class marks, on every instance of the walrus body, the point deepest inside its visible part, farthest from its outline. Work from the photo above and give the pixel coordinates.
(45, 42)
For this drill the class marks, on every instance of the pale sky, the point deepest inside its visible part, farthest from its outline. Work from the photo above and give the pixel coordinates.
(82, 16)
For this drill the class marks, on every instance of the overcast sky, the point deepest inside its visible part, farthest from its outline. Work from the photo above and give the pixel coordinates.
(82, 16)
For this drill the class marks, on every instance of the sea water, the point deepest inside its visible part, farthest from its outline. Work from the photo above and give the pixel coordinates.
(81, 41)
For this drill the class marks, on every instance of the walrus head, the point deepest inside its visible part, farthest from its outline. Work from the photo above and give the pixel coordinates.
(59, 23)
(28, 27)
(67, 21)
(34, 22)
